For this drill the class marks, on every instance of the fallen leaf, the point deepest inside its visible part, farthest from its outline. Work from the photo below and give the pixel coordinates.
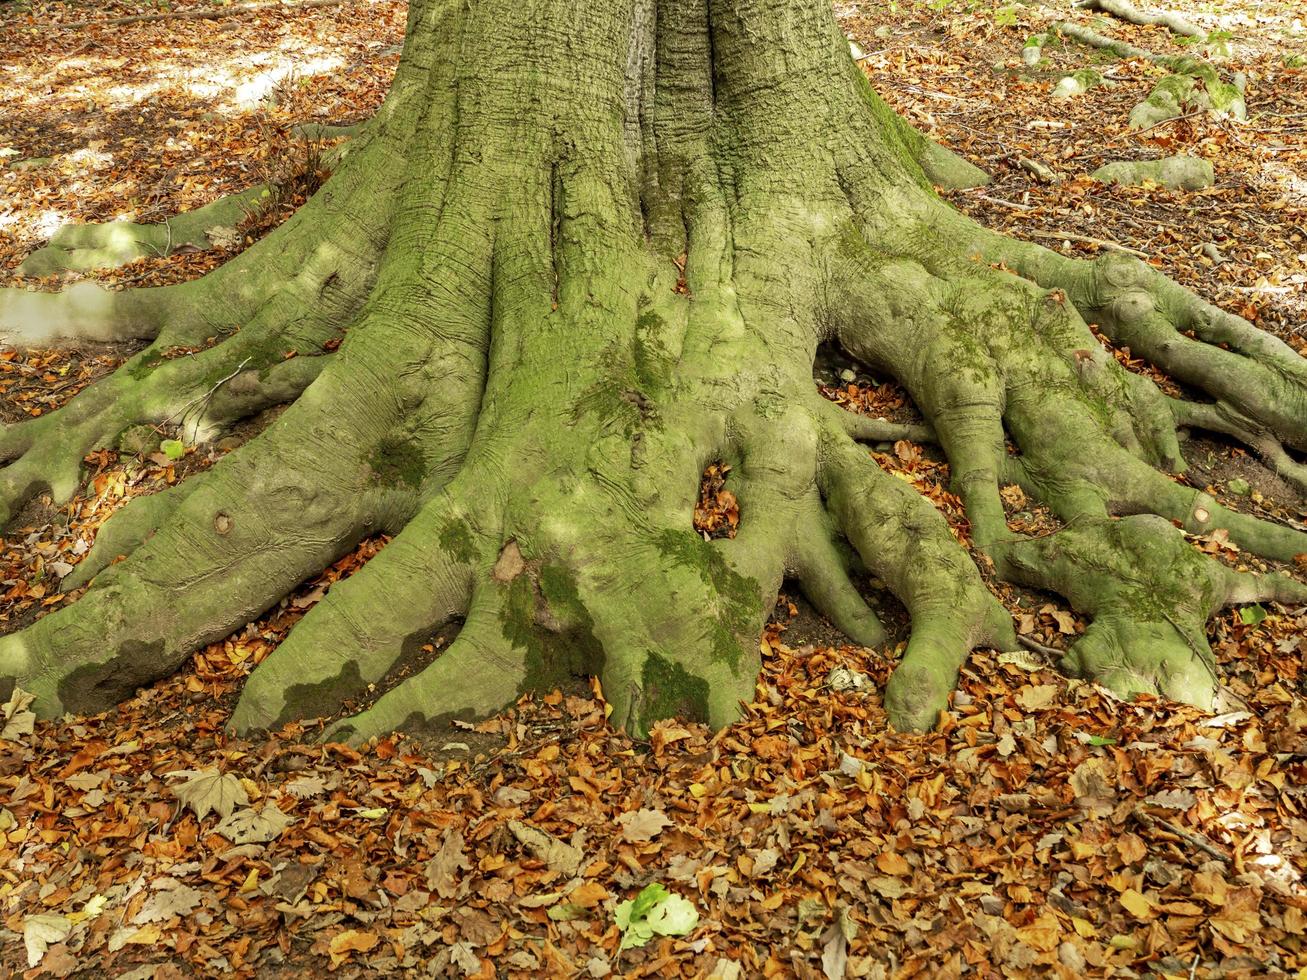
(1137, 904)
(443, 868)
(350, 941)
(893, 863)
(556, 854)
(209, 791)
(170, 898)
(1037, 696)
(42, 931)
(249, 826)
(643, 825)
(18, 720)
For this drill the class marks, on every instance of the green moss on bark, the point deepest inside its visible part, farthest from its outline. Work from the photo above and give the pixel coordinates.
(670, 691)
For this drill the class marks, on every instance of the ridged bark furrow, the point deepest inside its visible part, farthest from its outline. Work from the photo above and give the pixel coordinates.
(583, 251)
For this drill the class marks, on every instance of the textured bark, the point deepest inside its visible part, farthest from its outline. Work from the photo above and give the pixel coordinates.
(583, 251)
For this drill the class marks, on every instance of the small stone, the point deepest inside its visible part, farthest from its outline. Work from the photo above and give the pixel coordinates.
(1077, 83)
(848, 375)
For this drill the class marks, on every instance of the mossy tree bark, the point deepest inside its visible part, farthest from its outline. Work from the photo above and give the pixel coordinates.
(582, 251)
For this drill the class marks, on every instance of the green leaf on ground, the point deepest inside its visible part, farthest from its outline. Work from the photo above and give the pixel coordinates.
(655, 912)
(1252, 615)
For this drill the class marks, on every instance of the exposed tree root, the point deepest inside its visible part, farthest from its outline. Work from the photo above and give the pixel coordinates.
(1191, 84)
(341, 646)
(1124, 10)
(1122, 49)
(81, 248)
(552, 312)
(907, 544)
(84, 311)
(1150, 595)
(1175, 172)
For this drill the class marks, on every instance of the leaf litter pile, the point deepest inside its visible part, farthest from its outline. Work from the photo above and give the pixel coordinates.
(1045, 828)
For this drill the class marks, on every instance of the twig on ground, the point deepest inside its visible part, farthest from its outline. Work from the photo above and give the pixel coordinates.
(1086, 240)
(1188, 836)
(1006, 204)
(1165, 122)
(1038, 647)
(200, 403)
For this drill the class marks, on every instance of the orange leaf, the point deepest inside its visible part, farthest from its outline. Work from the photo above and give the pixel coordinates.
(350, 941)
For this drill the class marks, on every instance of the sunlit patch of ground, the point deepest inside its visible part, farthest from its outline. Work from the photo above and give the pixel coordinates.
(146, 120)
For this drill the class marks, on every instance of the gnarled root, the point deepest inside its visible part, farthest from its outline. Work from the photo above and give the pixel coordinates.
(999, 358)
(1150, 595)
(907, 544)
(264, 519)
(82, 248)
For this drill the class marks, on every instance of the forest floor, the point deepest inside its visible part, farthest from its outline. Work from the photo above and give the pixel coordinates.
(1046, 828)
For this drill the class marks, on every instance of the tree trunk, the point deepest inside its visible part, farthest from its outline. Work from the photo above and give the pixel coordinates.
(583, 250)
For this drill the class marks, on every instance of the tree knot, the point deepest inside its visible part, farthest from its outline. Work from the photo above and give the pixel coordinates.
(1133, 306)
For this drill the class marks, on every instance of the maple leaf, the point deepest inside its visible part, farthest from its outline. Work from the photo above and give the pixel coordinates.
(305, 786)
(208, 791)
(170, 898)
(254, 827)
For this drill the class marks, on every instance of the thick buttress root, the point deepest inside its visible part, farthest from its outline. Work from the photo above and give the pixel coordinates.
(538, 296)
